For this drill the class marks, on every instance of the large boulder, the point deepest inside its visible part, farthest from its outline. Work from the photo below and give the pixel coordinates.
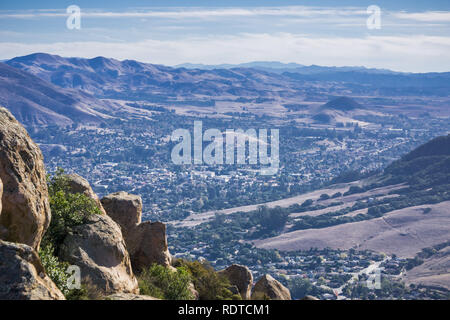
(125, 209)
(98, 248)
(22, 276)
(146, 242)
(268, 287)
(26, 212)
(241, 277)
(78, 184)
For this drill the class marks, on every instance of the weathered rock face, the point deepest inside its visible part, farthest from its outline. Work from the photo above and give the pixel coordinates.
(269, 287)
(241, 277)
(78, 184)
(26, 213)
(98, 248)
(22, 276)
(125, 209)
(146, 242)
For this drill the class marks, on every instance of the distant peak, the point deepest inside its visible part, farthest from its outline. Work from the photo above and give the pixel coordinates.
(342, 104)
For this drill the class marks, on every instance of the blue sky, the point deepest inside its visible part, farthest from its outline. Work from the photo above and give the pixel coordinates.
(414, 35)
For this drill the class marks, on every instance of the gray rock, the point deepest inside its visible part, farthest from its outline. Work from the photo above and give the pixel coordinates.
(125, 209)
(98, 248)
(241, 277)
(22, 276)
(268, 287)
(78, 184)
(148, 244)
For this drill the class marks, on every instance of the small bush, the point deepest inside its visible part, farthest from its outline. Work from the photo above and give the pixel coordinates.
(54, 268)
(88, 291)
(209, 284)
(163, 283)
(68, 210)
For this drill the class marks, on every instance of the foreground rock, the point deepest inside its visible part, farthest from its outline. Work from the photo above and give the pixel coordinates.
(22, 276)
(129, 296)
(268, 287)
(98, 248)
(148, 244)
(147, 241)
(241, 277)
(125, 209)
(78, 184)
(26, 213)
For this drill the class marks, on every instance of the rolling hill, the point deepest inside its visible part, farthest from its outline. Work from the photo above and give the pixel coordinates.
(36, 102)
(342, 104)
(398, 221)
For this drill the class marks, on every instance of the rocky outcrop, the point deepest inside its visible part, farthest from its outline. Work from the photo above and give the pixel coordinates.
(78, 184)
(147, 241)
(22, 276)
(268, 287)
(241, 277)
(98, 248)
(125, 209)
(129, 296)
(147, 244)
(26, 213)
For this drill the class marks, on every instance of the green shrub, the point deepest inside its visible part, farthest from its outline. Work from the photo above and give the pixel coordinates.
(88, 291)
(54, 268)
(209, 284)
(68, 210)
(163, 283)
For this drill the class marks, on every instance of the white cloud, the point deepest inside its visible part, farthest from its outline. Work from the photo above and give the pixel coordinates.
(199, 13)
(428, 16)
(416, 54)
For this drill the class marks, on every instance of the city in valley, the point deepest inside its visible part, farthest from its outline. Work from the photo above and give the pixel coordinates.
(342, 208)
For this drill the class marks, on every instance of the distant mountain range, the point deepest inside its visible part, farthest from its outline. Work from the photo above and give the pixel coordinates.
(279, 67)
(42, 89)
(129, 79)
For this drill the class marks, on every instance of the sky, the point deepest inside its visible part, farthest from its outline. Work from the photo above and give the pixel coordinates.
(413, 36)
